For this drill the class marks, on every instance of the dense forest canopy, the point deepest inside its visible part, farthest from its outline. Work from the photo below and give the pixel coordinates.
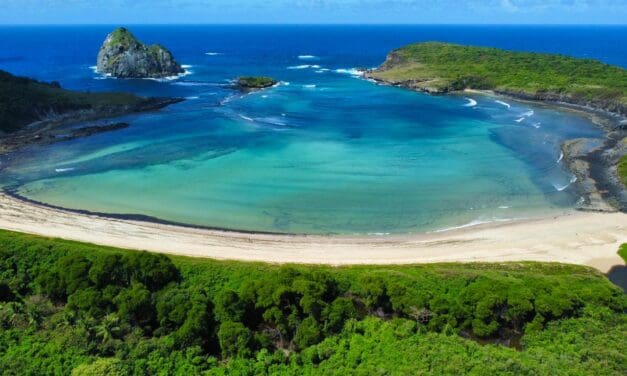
(74, 308)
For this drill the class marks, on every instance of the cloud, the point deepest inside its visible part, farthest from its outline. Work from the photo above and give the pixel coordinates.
(509, 6)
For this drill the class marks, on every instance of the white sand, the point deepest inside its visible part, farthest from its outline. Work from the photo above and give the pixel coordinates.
(579, 237)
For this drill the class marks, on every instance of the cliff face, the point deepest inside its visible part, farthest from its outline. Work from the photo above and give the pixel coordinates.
(123, 56)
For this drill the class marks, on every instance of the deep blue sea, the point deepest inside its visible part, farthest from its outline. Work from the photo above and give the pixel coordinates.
(323, 152)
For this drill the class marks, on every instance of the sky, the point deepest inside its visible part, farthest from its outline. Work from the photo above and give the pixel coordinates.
(313, 11)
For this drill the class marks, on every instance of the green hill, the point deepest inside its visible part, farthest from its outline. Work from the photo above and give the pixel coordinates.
(24, 100)
(443, 67)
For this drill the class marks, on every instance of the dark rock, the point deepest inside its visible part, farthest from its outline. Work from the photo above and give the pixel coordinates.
(94, 129)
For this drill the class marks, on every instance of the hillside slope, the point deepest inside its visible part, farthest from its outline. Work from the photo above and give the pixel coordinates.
(442, 67)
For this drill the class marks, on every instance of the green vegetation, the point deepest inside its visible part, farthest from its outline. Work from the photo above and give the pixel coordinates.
(122, 37)
(24, 100)
(622, 252)
(251, 82)
(437, 66)
(622, 169)
(80, 309)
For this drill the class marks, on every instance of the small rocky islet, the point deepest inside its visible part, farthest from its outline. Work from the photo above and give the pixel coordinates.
(122, 55)
(253, 83)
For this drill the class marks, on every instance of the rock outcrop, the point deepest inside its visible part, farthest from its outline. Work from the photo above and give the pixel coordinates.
(123, 56)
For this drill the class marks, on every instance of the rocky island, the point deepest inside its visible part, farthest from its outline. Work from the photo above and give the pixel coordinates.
(251, 83)
(124, 56)
(597, 90)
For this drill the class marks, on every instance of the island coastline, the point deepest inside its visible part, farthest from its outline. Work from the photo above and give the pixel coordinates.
(597, 182)
(43, 131)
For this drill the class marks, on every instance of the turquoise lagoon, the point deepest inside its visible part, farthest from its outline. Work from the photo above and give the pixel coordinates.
(324, 152)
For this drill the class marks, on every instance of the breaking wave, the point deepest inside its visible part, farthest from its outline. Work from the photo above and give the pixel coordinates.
(304, 66)
(64, 169)
(471, 102)
(562, 187)
(504, 104)
(350, 71)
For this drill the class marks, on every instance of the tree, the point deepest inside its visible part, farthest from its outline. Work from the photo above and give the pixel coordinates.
(152, 270)
(87, 302)
(308, 333)
(135, 306)
(337, 313)
(73, 271)
(198, 325)
(229, 306)
(234, 339)
(101, 367)
(108, 328)
(172, 307)
(109, 270)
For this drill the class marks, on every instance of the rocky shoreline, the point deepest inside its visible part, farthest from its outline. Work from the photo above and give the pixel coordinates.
(50, 130)
(594, 166)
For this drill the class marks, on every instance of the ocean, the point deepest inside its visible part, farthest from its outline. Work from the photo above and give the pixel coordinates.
(324, 152)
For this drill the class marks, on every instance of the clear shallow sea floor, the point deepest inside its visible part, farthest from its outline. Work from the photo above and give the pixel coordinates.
(323, 152)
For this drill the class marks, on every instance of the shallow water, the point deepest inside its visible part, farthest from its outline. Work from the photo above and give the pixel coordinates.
(324, 152)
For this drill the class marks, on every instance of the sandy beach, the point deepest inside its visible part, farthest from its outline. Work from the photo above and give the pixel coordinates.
(586, 238)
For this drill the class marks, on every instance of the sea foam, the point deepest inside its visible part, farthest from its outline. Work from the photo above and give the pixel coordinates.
(350, 71)
(304, 66)
(64, 169)
(307, 57)
(471, 102)
(504, 104)
(476, 222)
(562, 187)
(195, 83)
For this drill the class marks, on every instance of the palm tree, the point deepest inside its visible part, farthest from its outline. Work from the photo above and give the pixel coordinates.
(108, 328)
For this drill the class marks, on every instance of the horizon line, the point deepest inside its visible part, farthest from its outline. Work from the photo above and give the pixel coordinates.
(310, 24)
